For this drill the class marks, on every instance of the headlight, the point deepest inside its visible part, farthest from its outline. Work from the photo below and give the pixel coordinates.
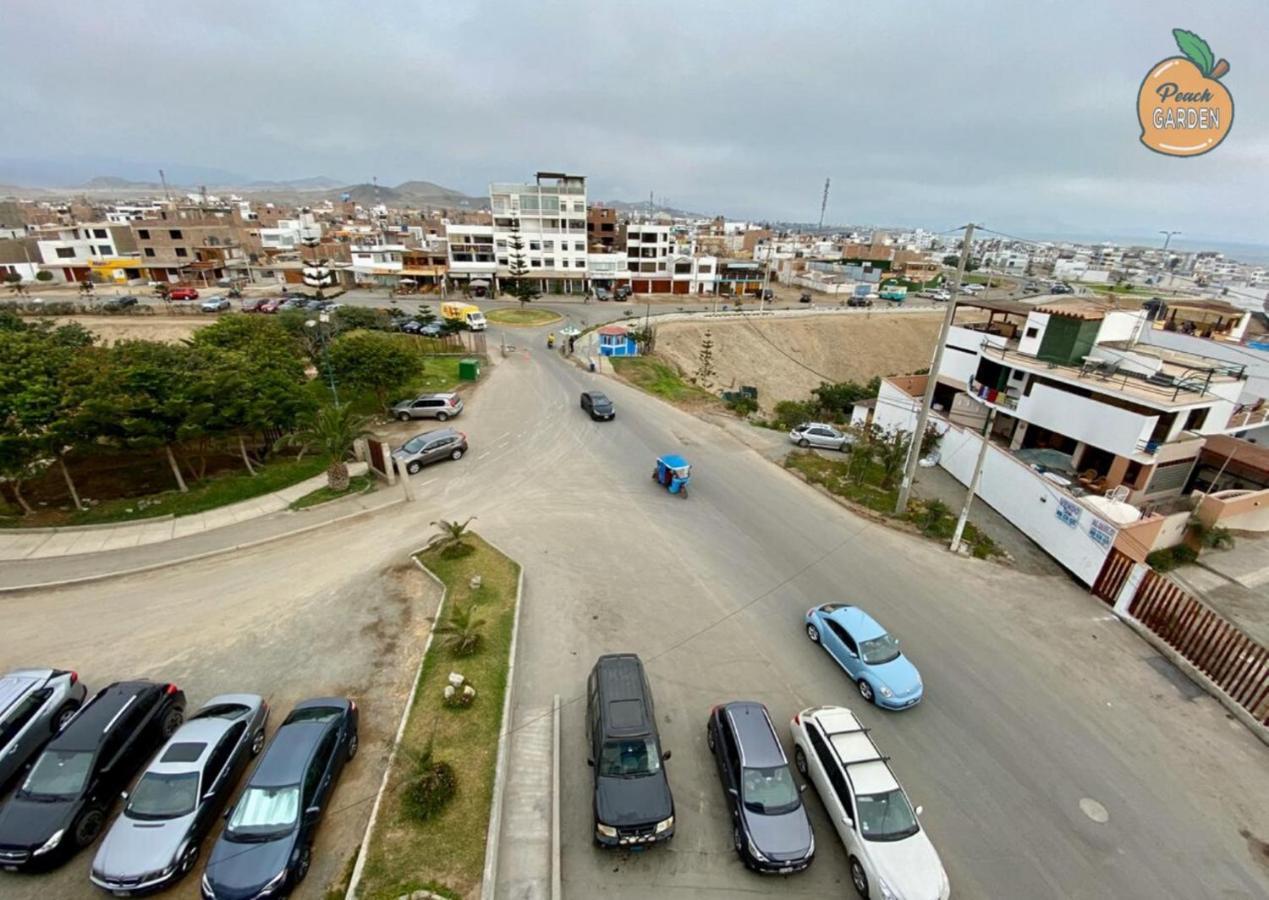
(886, 692)
(605, 830)
(665, 825)
(275, 884)
(754, 851)
(51, 843)
(207, 888)
(887, 892)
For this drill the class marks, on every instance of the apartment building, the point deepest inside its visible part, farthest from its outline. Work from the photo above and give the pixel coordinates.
(648, 251)
(70, 253)
(604, 232)
(379, 264)
(549, 216)
(192, 244)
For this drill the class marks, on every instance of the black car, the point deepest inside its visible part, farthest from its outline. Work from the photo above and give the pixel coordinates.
(621, 292)
(770, 828)
(64, 802)
(267, 844)
(598, 405)
(633, 806)
(120, 302)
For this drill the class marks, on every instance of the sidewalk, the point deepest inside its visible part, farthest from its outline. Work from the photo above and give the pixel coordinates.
(48, 571)
(18, 544)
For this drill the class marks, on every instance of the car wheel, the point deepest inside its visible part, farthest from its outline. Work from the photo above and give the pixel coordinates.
(352, 745)
(301, 866)
(413, 467)
(843, 446)
(403, 417)
(441, 417)
(64, 715)
(709, 738)
(257, 742)
(172, 721)
(457, 454)
(188, 858)
(737, 841)
(799, 760)
(859, 878)
(89, 826)
(804, 443)
(865, 691)
(813, 633)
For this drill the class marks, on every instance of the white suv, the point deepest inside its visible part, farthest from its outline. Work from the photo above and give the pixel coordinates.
(890, 856)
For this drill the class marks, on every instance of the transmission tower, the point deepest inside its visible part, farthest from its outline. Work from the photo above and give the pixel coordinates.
(824, 202)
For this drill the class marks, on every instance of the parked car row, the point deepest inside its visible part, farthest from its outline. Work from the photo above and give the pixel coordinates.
(278, 304)
(889, 853)
(71, 758)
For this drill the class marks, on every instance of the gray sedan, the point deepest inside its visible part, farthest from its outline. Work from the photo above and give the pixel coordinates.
(155, 840)
(817, 434)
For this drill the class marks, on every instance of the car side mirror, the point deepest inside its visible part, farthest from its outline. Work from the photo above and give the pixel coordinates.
(227, 813)
(802, 788)
(312, 810)
(665, 755)
(919, 810)
(123, 795)
(733, 792)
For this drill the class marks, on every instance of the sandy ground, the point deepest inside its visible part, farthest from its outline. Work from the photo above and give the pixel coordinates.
(786, 359)
(112, 329)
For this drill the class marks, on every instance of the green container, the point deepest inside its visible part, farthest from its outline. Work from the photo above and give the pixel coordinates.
(469, 368)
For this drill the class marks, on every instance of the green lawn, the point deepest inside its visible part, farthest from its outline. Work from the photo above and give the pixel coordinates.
(448, 850)
(356, 485)
(660, 379)
(212, 492)
(529, 316)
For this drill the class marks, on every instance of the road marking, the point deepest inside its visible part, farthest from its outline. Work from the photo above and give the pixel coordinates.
(483, 455)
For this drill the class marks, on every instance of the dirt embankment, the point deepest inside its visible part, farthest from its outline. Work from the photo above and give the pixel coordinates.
(786, 358)
(151, 328)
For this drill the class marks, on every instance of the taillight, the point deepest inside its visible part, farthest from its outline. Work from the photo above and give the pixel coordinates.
(171, 689)
(352, 705)
(461, 435)
(74, 677)
(452, 401)
(797, 718)
(811, 610)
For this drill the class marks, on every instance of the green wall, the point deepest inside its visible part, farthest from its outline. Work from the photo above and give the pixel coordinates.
(1067, 341)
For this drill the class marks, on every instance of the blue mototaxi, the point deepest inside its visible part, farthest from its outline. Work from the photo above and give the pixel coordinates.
(673, 472)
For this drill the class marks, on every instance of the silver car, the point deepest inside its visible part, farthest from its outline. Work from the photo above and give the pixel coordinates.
(429, 406)
(154, 842)
(817, 434)
(430, 447)
(35, 704)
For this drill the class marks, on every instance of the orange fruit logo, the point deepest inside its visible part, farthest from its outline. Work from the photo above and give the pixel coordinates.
(1183, 108)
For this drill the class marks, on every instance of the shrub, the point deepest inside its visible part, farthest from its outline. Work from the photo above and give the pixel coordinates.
(743, 406)
(930, 518)
(1170, 557)
(461, 633)
(793, 412)
(431, 787)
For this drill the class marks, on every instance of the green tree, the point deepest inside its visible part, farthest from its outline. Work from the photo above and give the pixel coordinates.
(452, 532)
(352, 317)
(44, 276)
(374, 362)
(837, 400)
(461, 632)
(522, 287)
(705, 366)
(330, 431)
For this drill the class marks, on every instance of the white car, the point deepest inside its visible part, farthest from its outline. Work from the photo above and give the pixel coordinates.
(941, 294)
(972, 289)
(891, 858)
(817, 434)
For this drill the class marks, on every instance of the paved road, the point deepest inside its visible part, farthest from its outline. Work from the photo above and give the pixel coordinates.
(1036, 700)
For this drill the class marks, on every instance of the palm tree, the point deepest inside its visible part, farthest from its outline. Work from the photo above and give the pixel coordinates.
(452, 533)
(331, 431)
(461, 633)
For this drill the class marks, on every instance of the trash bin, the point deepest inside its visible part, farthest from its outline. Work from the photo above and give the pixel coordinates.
(592, 365)
(468, 368)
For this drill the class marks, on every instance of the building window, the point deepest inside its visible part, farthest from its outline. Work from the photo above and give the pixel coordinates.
(548, 246)
(65, 252)
(103, 250)
(580, 246)
(549, 262)
(502, 245)
(535, 263)
(1032, 331)
(149, 251)
(174, 234)
(502, 261)
(100, 233)
(181, 251)
(705, 270)
(683, 268)
(563, 263)
(535, 245)
(143, 233)
(1196, 419)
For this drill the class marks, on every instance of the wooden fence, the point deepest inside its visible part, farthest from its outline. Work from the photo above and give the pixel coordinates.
(1235, 662)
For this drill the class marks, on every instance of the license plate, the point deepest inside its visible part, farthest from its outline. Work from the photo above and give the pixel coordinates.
(122, 893)
(786, 870)
(9, 868)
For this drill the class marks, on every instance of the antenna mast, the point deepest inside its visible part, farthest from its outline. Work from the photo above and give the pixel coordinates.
(166, 192)
(824, 202)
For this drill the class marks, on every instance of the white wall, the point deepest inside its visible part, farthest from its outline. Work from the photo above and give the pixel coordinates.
(1084, 419)
(1031, 345)
(1032, 504)
(961, 366)
(896, 411)
(1120, 326)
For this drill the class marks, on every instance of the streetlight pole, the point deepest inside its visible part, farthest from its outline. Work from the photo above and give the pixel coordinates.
(321, 339)
(923, 417)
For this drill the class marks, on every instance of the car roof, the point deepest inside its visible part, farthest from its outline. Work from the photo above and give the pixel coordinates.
(862, 627)
(621, 687)
(16, 685)
(289, 752)
(445, 394)
(196, 732)
(806, 425)
(759, 746)
(868, 770)
(447, 431)
(90, 723)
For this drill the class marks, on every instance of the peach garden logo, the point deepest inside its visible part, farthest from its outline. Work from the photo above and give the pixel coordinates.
(1183, 107)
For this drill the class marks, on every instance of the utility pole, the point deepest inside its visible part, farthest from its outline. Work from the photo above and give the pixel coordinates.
(973, 482)
(1167, 239)
(766, 275)
(166, 191)
(824, 203)
(923, 417)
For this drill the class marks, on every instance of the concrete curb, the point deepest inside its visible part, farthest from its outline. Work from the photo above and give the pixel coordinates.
(85, 579)
(489, 879)
(75, 529)
(364, 849)
(556, 873)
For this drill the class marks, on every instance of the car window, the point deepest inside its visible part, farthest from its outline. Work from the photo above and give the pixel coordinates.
(769, 790)
(848, 640)
(839, 631)
(880, 650)
(263, 812)
(317, 769)
(886, 816)
(730, 751)
(161, 795)
(629, 758)
(414, 445)
(59, 773)
(220, 756)
(21, 713)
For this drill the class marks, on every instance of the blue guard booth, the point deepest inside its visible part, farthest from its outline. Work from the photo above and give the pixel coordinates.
(615, 340)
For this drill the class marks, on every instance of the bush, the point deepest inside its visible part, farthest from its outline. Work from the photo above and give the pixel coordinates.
(1170, 557)
(930, 518)
(743, 406)
(793, 412)
(431, 787)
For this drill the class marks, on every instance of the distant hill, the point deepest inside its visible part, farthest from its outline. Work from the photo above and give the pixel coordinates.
(416, 194)
(113, 183)
(647, 208)
(315, 183)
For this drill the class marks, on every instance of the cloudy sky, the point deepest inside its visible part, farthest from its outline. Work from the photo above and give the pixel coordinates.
(1020, 116)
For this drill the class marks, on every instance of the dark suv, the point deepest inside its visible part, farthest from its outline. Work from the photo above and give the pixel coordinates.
(770, 828)
(633, 806)
(63, 804)
(267, 845)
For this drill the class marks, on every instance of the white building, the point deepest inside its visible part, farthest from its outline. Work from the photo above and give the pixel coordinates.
(648, 251)
(69, 252)
(550, 216)
(291, 233)
(376, 263)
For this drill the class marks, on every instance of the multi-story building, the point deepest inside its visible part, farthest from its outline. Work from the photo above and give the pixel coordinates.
(549, 218)
(604, 232)
(71, 253)
(377, 263)
(648, 251)
(194, 244)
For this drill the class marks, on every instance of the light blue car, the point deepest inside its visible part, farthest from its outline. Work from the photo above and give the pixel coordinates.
(868, 653)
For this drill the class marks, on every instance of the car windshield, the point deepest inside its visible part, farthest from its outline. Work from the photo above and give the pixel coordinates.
(598, 398)
(414, 445)
(59, 773)
(770, 791)
(880, 650)
(163, 796)
(886, 817)
(264, 812)
(629, 759)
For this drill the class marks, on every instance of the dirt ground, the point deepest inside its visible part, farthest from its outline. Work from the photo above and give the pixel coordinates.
(786, 359)
(152, 328)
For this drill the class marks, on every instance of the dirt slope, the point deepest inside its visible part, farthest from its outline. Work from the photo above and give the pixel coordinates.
(151, 328)
(842, 348)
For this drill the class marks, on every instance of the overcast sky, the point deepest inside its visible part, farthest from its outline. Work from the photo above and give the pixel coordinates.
(1018, 115)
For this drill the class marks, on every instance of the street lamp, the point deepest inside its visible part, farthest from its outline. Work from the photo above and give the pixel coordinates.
(324, 318)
